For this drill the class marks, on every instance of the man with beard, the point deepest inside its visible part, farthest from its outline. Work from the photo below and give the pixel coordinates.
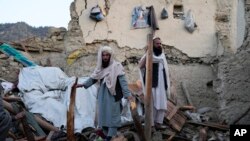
(160, 83)
(113, 86)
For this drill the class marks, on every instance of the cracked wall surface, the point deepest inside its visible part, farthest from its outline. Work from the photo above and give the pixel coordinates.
(129, 47)
(233, 81)
(233, 88)
(230, 25)
(193, 58)
(117, 25)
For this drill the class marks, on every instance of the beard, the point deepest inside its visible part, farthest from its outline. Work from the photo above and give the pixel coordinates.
(157, 51)
(105, 64)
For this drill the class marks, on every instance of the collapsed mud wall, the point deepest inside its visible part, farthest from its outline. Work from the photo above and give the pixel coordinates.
(233, 81)
(190, 56)
(117, 24)
(204, 76)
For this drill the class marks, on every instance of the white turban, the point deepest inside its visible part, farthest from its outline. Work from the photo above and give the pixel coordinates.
(99, 57)
(109, 73)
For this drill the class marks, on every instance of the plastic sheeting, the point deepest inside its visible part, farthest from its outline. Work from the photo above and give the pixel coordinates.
(7, 86)
(190, 24)
(46, 91)
(10, 51)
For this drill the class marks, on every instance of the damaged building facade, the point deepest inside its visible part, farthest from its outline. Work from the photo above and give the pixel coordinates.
(211, 61)
(195, 58)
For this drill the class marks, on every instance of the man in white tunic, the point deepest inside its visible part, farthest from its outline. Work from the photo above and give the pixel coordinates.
(160, 83)
(113, 86)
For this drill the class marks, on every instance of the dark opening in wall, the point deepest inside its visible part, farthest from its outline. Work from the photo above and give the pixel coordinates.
(178, 11)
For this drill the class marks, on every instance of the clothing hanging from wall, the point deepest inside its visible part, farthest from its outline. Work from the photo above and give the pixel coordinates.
(140, 17)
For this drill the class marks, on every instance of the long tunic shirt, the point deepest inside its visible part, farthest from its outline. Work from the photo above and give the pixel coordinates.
(109, 110)
(159, 93)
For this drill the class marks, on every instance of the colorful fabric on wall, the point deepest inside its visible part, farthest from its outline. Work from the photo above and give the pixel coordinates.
(140, 17)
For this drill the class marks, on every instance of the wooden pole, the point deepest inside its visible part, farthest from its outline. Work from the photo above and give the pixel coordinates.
(70, 114)
(186, 93)
(137, 121)
(148, 97)
(26, 128)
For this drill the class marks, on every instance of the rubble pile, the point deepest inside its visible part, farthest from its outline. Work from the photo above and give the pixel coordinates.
(184, 123)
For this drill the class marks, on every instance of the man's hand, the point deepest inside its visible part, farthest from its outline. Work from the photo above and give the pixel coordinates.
(131, 98)
(20, 115)
(132, 102)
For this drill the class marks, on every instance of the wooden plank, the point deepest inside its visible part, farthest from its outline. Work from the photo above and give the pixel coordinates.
(148, 96)
(211, 125)
(50, 135)
(187, 107)
(178, 121)
(185, 90)
(28, 48)
(203, 134)
(174, 136)
(27, 130)
(171, 110)
(171, 136)
(137, 121)
(70, 114)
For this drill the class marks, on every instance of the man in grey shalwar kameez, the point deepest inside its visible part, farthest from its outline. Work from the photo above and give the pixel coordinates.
(109, 73)
(160, 83)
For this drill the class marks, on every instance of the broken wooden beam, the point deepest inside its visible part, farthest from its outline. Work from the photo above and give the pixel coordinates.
(203, 134)
(179, 138)
(130, 135)
(12, 98)
(48, 138)
(137, 121)
(178, 121)
(171, 110)
(173, 89)
(171, 136)
(28, 48)
(43, 123)
(211, 125)
(27, 129)
(186, 93)
(187, 107)
(174, 116)
(126, 126)
(24, 48)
